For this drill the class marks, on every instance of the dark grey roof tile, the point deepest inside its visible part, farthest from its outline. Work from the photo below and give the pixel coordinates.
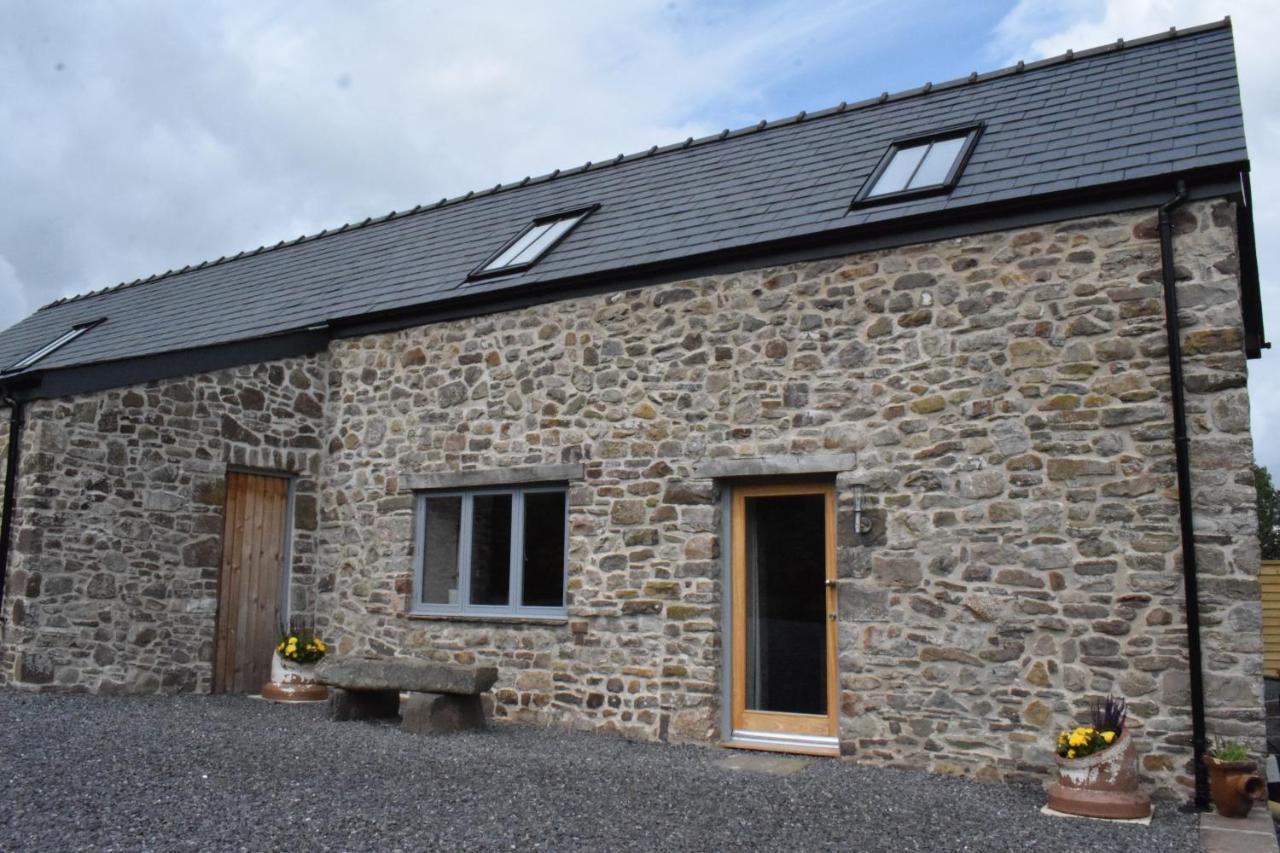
(1155, 107)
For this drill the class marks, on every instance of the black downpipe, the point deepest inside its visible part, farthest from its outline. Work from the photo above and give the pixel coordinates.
(10, 489)
(1182, 455)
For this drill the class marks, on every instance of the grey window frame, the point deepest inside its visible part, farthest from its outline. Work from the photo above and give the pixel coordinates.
(580, 214)
(968, 132)
(43, 352)
(515, 588)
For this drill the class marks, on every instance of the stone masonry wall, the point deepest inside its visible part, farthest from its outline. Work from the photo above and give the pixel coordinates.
(113, 585)
(1224, 496)
(1007, 399)
(1007, 396)
(1032, 555)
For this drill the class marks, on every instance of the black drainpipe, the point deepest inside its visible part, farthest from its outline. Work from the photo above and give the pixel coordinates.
(1182, 455)
(10, 496)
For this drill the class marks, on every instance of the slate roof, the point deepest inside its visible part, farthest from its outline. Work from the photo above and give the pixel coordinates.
(1157, 106)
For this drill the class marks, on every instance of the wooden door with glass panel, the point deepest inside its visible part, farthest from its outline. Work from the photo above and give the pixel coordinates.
(783, 649)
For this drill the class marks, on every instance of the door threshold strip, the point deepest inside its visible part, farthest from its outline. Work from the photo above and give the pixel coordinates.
(779, 742)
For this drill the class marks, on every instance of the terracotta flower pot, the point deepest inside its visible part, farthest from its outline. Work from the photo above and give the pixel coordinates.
(293, 682)
(1104, 784)
(1234, 785)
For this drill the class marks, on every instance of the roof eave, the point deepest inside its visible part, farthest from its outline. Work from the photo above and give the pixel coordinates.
(1225, 181)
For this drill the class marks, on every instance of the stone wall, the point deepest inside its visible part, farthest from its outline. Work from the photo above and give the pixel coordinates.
(113, 585)
(1032, 555)
(1223, 491)
(1008, 399)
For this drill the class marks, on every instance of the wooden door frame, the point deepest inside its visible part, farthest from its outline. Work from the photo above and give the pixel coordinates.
(219, 684)
(808, 733)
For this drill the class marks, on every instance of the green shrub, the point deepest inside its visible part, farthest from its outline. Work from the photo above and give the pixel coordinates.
(1229, 750)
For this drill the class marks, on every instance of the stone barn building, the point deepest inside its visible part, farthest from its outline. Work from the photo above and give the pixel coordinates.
(858, 433)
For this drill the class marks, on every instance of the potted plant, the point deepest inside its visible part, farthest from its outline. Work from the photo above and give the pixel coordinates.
(293, 670)
(1098, 767)
(1233, 778)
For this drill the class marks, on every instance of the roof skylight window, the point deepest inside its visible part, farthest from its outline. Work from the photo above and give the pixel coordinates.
(51, 347)
(531, 244)
(920, 165)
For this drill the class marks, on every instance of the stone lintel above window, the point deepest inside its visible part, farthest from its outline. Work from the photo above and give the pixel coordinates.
(776, 466)
(511, 476)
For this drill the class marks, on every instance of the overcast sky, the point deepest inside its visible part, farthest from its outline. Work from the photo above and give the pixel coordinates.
(138, 137)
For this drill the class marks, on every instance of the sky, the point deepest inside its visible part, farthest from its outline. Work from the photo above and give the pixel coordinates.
(141, 137)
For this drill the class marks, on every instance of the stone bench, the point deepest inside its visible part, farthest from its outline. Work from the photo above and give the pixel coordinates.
(442, 697)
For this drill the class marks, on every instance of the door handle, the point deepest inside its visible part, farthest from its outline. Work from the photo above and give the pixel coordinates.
(830, 583)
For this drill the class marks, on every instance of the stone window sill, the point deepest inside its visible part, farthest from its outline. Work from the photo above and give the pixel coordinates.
(492, 477)
(474, 617)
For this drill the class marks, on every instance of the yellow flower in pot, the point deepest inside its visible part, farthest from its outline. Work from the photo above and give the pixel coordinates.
(1098, 767)
(293, 670)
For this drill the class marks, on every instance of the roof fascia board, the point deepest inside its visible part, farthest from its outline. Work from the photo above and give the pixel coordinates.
(99, 376)
(1250, 278)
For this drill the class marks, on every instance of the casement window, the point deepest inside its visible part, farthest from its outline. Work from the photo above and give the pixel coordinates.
(919, 166)
(529, 246)
(53, 346)
(498, 552)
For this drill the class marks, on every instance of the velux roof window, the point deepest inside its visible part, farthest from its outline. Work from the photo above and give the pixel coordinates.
(51, 347)
(530, 245)
(920, 165)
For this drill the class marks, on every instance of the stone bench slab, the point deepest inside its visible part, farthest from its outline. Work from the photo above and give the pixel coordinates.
(415, 676)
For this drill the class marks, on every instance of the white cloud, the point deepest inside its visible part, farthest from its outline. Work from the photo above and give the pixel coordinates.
(11, 290)
(1036, 28)
(139, 137)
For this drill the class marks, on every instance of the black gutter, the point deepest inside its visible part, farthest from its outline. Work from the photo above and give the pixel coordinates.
(120, 373)
(10, 491)
(1182, 455)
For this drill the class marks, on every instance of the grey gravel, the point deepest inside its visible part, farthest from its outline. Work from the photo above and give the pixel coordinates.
(232, 773)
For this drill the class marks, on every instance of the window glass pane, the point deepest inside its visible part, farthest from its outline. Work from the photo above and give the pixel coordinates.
(508, 257)
(936, 165)
(440, 550)
(535, 249)
(62, 340)
(544, 532)
(895, 176)
(491, 549)
(786, 569)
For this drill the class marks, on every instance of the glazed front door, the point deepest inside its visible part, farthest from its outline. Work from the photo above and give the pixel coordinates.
(783, 623)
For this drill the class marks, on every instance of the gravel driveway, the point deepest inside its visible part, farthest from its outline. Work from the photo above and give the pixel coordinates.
(82, 772)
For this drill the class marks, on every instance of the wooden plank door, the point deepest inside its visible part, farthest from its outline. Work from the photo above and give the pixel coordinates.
(783, 644)
(250, 581)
